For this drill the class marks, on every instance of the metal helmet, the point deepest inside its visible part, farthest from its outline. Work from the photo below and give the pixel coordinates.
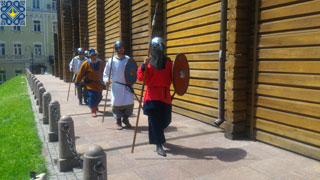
(157, 58)
(157, 43)
(117, 45)
(80, 51)
(86, 53)
(93, 52)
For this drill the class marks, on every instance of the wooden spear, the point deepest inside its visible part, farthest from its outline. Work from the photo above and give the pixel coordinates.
(105, 103)
(144, 80)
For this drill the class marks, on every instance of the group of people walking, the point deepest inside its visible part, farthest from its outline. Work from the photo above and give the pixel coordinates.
(91, 74)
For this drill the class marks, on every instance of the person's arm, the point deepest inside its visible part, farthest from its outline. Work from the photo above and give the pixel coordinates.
(71, 65)
(80, 74)
(141, 69)
(106, 72)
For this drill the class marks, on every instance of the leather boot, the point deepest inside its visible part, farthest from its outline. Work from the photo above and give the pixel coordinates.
(93, 112)
(126, 122)
(119, 125)
(160, 150)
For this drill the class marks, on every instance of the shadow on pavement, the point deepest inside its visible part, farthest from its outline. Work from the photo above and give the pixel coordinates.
(223, 154)
(145, 129)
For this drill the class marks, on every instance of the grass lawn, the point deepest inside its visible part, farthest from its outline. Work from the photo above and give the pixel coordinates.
(20, 146)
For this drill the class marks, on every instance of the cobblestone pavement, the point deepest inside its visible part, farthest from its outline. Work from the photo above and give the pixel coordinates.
(195, 150)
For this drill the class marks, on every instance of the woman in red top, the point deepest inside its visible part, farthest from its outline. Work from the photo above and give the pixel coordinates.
(157, 98)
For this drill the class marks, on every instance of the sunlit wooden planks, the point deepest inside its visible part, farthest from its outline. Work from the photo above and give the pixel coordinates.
(193, 29)
(288, 79)
(289, 144)
(96, 26)
(140, 28)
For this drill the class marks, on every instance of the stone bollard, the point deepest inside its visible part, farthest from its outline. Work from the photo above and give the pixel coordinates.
(35, 88)
(95, 164)
(38, 86)
(66, 160)
(32, 84)
(54, 116)
(46, 98)
(42, 90)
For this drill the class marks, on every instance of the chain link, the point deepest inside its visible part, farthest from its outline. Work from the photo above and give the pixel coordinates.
(99, 169)
(56, 116)
(76, 155)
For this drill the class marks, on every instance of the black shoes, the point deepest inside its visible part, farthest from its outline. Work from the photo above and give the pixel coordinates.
(80, 101)
(160, 150)
(126, 122)
(119, 125)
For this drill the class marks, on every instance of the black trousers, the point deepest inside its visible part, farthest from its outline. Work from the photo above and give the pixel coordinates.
(82, 92)
(158, 119)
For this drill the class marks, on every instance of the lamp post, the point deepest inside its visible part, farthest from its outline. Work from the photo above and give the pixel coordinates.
(32, 62)
(30, 49)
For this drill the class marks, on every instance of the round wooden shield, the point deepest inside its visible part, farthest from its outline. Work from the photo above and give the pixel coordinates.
(180, 74)
(130, 72)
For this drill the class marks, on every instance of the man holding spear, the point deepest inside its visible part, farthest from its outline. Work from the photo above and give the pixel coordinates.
(157, 98)
(121, 93)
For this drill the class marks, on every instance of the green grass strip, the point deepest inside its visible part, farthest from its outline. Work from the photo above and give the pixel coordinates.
(20, 145)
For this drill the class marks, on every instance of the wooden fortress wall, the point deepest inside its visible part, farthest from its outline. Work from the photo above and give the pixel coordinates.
(96, 32)
(286, 88)
(83, 24)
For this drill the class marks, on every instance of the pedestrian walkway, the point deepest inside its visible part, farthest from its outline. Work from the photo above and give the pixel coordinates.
(195, 150)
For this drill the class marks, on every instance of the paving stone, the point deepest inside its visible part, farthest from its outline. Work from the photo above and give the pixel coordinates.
(195, 150)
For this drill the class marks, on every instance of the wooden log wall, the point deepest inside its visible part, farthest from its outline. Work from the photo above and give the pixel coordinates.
(142, 12)
(56, 56)
(288, 78)
(83, 24)
(193, 28)
(116, 25)
(75, 25)
(59, 39)
(237, 68)
(66, 36)
(96, 26)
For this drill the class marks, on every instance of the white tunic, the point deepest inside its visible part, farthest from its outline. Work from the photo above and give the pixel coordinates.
(120, 94)
(75, 64)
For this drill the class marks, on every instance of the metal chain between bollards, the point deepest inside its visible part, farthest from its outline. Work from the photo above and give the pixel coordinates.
(99, 169)
(55, 114)
(76, 155)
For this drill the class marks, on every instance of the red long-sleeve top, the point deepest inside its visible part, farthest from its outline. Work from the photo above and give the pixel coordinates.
(157, 82)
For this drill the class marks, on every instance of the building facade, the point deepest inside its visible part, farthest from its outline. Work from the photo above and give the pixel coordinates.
(29, 46)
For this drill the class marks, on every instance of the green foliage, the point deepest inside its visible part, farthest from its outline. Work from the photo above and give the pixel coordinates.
(20, 146)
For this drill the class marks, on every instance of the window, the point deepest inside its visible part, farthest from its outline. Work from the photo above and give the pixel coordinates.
(37, 50)
(36, 26)
(36, 4)
(17, 50)
(54, 5)
(2, 49)
(18, 72)
(54, 27)
(2, 77)
(1, 28)
(17, 28)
